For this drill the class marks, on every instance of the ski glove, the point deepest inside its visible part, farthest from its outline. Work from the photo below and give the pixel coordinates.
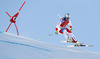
(56, 32)
(70, 29)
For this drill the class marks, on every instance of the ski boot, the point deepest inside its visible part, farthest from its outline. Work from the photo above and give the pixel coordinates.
(78, 44)
(69, 40)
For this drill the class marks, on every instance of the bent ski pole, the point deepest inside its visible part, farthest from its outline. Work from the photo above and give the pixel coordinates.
(51, 34)
(46, 35)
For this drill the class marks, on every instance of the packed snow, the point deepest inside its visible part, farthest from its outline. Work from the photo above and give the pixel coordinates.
(18, 47)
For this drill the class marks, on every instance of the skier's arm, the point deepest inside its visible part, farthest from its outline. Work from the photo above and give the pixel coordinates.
(70, 25)
(58, 25)
(56, 29)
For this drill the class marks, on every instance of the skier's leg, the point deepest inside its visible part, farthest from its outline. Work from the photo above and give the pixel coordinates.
(65, 34)
(72, 36)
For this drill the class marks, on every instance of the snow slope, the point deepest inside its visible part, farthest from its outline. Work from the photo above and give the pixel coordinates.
(18, 47)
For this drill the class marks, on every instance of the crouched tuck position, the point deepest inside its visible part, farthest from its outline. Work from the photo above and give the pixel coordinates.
(62, 28)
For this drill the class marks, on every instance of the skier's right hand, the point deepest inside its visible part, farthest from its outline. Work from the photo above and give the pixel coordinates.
(56, 32)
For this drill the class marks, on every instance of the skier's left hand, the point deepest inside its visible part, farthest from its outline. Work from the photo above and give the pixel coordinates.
(70, 29)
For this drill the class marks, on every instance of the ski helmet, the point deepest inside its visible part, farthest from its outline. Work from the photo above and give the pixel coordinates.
(66, 15)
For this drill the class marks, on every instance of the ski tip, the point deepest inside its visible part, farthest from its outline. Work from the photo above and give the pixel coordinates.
(61, 41)
(89, 45)
(68, 46)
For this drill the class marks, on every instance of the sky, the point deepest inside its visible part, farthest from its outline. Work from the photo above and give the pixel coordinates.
(40, 17)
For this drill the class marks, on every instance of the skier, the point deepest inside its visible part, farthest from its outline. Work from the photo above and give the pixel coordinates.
(62, 28)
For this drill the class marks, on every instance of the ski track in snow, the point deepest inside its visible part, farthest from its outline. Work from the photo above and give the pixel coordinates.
(24, 45)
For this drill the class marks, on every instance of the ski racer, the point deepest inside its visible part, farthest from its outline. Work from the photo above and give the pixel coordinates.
(62, 28)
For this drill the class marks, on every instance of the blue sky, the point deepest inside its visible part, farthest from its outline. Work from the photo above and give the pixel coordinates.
(39, 17)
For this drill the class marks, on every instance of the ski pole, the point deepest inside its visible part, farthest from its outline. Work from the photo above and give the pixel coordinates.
(46, 35)
(59, 16)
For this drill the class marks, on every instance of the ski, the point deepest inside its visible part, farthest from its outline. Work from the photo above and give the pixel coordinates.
(72, 42)
(80, 46)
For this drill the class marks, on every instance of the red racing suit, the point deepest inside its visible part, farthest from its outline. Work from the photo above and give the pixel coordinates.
(62, 26)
